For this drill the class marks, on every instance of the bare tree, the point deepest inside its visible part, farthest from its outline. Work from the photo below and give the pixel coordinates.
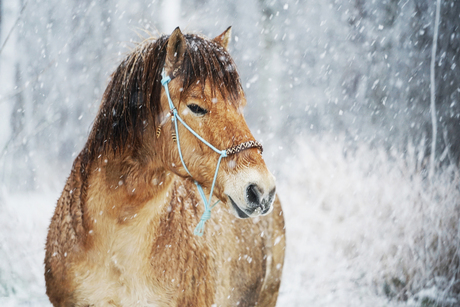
(433, 90)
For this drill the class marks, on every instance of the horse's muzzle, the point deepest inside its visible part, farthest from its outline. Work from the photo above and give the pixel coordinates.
(257, 202)
(250, 192)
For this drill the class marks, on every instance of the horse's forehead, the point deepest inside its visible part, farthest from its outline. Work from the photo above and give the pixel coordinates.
(197, 92)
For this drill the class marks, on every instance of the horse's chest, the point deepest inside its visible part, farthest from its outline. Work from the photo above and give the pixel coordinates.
(180, 271)
(115, 280)
(223, 267)
(169, 266)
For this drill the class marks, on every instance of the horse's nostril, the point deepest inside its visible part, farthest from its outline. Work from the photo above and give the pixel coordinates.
(253, 194)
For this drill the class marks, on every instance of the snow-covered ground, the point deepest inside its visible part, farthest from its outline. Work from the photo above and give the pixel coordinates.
(24, 219)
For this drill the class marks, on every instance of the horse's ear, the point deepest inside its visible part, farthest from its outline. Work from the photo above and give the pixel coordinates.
(224, 38)
(174, 53)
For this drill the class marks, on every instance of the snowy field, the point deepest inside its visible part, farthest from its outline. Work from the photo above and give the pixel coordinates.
(23, 226)
(349, 218)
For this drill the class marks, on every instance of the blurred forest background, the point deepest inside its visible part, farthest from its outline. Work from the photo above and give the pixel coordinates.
(336, 89)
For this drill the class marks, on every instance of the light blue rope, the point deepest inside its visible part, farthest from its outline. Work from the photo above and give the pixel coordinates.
(199, 230)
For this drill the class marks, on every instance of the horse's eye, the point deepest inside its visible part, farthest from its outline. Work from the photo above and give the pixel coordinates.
(197, 109)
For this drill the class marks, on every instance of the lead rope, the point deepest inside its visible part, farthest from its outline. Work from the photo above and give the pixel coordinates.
(199, 230)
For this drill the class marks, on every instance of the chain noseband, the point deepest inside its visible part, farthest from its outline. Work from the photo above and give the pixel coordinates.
(199, 230)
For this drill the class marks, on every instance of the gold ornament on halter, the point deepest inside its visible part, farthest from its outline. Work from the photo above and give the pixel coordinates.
(158, 131)
(174, 136)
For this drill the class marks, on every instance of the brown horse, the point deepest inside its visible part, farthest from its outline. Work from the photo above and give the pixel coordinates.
(122, 232)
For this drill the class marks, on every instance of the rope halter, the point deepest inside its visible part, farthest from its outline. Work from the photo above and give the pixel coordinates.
(199, 230)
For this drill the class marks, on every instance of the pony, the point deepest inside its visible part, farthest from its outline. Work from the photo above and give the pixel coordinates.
(122, 233)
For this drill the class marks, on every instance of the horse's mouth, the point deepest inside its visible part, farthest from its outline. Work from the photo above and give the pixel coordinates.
(241, 213)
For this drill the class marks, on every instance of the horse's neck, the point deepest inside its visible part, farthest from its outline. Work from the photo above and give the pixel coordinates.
(122, 199)
(125, 188)
(123, 207)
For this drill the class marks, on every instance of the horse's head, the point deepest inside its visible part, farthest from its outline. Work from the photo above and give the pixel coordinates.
(206, 91)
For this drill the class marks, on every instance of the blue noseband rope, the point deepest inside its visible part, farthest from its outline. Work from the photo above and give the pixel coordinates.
(199, 230)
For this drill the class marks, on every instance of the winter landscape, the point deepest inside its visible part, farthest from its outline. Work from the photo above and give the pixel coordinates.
(357, 104)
